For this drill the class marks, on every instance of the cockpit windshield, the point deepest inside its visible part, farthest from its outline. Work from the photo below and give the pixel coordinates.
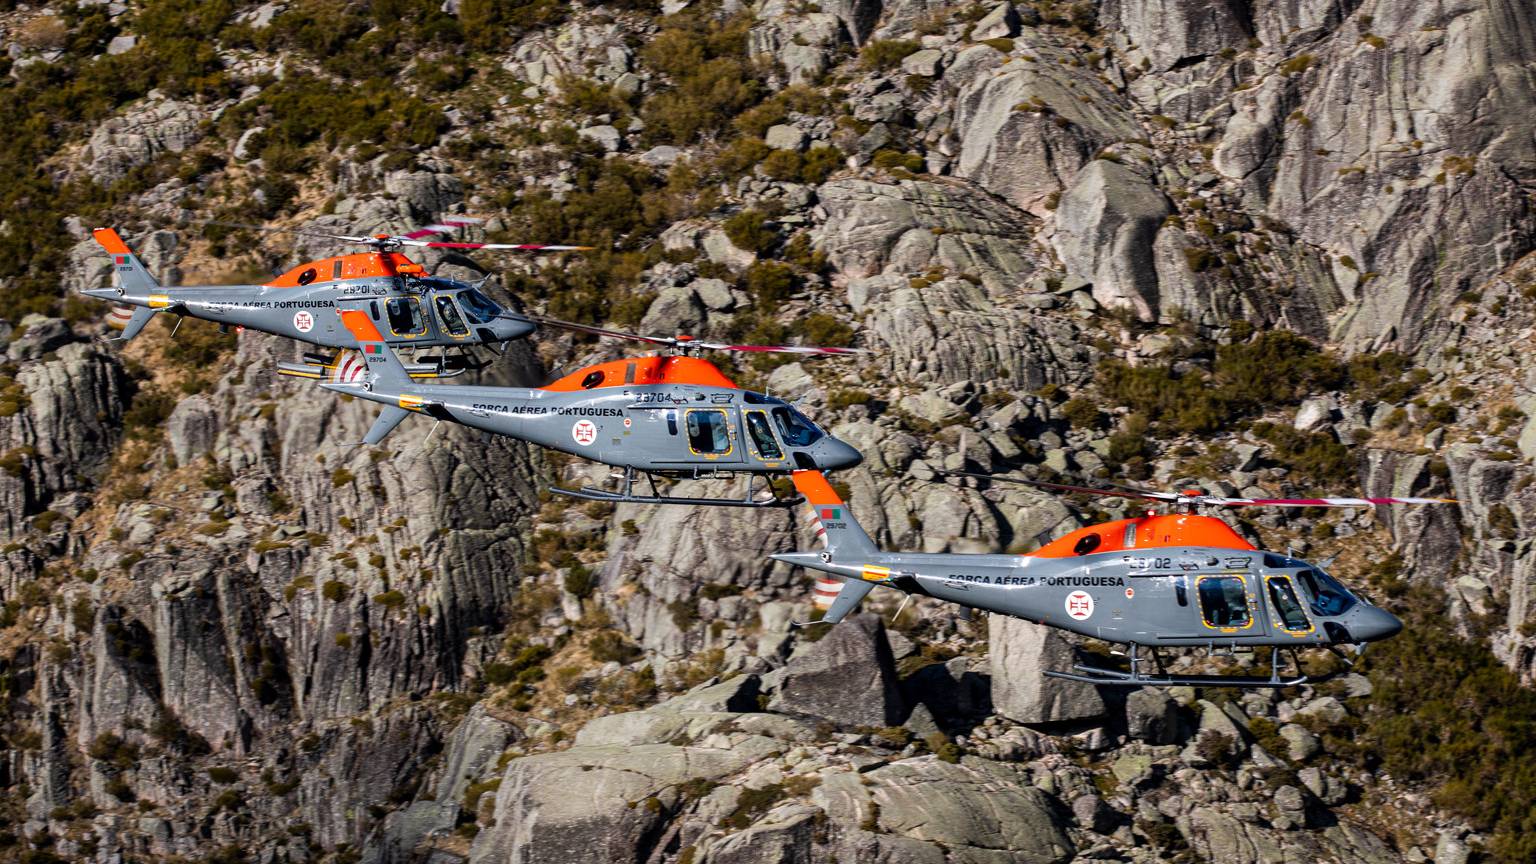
(480, 308)
(794, 428)
(1329, 598)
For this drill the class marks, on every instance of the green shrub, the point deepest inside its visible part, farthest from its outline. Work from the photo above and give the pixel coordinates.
(684, 612)
(335, 590)
(782, 165)
(390, 599)
(885, 54)
(1082, 414)
(824, 330)
(608, 646)
(941, 746)
(579, 581)
(752, 803)
(769, 283)
(750, 230)
(818, 163)
(221, 774)
(1315, 457)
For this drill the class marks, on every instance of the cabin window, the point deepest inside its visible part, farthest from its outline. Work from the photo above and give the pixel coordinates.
(373, 309)
(671, 422)
(307, 276)
(1287, 607)
(336, 269)
(1181, 590)
(592, 379)
(762, 436)
(707, 431)
(405, 318)
(797, 431)
(1087, 543)
(1223, 601)
(448, 313)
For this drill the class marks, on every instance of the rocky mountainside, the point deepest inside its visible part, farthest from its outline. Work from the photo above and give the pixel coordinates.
(1266, 248)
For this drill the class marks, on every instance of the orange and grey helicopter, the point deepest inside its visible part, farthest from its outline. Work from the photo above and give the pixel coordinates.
(1171, 580)
(672, 416)
(417, 311)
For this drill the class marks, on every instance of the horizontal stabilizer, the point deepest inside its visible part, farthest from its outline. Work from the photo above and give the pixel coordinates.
(136, 322)
(389, 418)
(847, 600)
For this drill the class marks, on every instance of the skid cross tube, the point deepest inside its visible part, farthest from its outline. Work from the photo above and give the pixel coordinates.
(1136, 678)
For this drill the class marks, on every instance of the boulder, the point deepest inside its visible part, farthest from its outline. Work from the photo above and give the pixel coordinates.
(1170, 32)
(1152, 716)
(1000, 23)
(1020, 652)
(607, 137)
(847, 679)
(192, 428)
(136, 137)
(1301, 744)
(588, 805)
(971, 808)
(784, 137)
(1105, 226)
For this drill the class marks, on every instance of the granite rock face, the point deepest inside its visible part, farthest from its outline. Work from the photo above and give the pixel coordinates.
(224, 625)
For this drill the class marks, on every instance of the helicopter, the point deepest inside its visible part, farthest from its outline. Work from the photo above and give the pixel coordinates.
(418, 311)
(673, 415)
(1160, 580)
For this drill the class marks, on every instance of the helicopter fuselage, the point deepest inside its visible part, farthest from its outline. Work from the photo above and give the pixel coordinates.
(304, 304)
(1151, 593)
(669, 428)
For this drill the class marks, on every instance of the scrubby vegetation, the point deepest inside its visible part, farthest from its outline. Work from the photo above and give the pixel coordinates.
(1446, 712)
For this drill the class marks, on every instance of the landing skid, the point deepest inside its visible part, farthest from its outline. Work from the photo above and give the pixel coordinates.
(1137, 678)
(629, 495)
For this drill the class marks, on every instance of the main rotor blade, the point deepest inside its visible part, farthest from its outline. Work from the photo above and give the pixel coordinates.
(1313, 502)
(783, 349)
(447, 226)
(266, 229)
(598, 331)
(1202, 500)
(520, 247)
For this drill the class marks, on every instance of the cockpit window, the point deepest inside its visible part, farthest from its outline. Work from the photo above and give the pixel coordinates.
(480, 308)
(1329, 598)
(796, 430)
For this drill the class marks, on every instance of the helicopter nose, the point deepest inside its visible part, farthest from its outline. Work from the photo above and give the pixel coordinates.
(1372, 623)
(508, 329)
(835, 455)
